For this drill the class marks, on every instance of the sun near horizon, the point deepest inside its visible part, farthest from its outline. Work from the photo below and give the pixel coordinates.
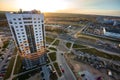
(99, 7)
(42, 5)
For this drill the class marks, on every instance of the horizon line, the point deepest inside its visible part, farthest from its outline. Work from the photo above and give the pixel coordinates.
(69, 13)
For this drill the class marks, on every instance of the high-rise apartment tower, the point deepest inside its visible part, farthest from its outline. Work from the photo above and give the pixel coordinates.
(29, 34)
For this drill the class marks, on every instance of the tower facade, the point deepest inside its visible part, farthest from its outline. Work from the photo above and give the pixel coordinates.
(29, 34)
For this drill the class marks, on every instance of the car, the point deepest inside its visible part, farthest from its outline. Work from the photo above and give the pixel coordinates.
(40, 69)
(62, 54)
(3, 71)
(49, 67)
(42, 74)
(1, 75)
(60, 65)
(62, 70)
(99, 78)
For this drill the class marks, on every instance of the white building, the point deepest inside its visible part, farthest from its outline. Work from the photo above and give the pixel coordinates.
(111, 34)
(28, 32)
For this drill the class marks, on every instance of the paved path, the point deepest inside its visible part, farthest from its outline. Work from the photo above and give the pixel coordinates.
(71, 47)
(85, 27)
(50, 59)
(12, 73)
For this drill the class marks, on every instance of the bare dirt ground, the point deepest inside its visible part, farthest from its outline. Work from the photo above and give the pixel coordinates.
(81, 67)
(35, 77)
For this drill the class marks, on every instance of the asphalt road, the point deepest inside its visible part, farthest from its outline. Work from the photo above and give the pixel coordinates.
(46, 72)
(67, 74)
(89, 43)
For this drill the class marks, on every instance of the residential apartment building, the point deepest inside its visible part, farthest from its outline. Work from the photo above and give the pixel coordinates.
(28, 32)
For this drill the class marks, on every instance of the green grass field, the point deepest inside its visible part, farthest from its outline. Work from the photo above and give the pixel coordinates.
(79, 46)
(52, 56)
(49, 40)
(56, 42)
(18, 65)
(68, 44)
(9, 69)
(57, 68)
(96, 52)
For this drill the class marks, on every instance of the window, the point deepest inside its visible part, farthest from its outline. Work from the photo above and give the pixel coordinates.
(18, 36)
(20, 22)
(38, 21)
(21, 29)
(17, 30)
(35, 22)
(24, 39)
(18, 33)
(10, 22)
(14, 19)
(23, 35)
(15, 22)
(27, 18)
(40, 33)
(36, 34)
(34, 18)
(38, 18)
(22, 32)
(42, 21)
(35, 25)
(27, 51)
(35, 28)
(19, 18)
(20, 40)
(16, 26)
(36, 31)
(37, 39)
(21, 26)
(28, 22)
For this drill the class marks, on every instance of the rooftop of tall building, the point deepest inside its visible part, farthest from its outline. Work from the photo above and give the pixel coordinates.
(27, 12)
